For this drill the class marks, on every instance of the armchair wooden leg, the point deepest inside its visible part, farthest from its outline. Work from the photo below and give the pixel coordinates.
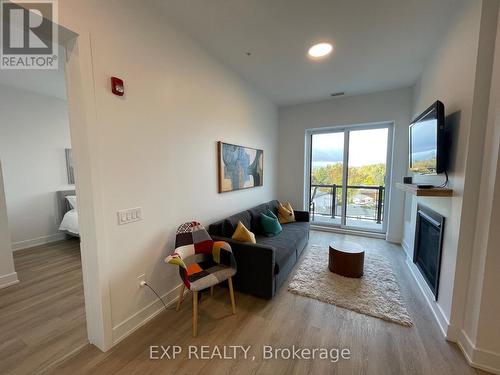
(181, 297)
(211, 291)
(195, 314)
(231, 293)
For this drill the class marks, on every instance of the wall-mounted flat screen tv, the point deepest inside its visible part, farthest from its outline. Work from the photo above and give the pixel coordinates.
(427, 143)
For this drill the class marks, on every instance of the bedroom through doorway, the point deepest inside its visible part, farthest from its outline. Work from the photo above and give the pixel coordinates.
(42, 304)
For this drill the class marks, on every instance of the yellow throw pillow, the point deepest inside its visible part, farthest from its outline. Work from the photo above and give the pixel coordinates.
(285, 213)
(242, 234)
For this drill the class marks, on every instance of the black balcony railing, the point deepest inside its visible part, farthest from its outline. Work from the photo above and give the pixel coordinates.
(363, 202)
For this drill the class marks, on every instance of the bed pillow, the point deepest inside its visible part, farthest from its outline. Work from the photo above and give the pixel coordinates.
(72, 201)
(271, 225)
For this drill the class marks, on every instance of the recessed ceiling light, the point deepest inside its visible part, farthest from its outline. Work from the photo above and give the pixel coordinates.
(320, 50)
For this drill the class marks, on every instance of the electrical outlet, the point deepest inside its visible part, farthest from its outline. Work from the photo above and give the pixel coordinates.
(141, 280)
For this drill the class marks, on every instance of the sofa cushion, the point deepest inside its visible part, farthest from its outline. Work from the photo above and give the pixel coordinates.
(231, 223)
(302, 231)
(283, 249)
(287, 243)
(284, 271)
(215, 229)
(273, 206)
(255, 212)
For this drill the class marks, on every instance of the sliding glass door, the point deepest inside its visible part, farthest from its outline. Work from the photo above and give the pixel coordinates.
(348, 168)
(327, 177)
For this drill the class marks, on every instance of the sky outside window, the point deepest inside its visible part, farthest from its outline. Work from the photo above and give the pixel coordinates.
(367, 147)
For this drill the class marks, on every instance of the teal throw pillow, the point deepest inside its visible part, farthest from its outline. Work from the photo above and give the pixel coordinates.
(271, 225)
(271, 214)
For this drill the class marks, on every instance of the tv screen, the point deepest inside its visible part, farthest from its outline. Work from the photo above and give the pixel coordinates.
(427, 141)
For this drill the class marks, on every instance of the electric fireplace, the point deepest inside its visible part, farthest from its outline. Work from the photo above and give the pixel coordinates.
(428, 246)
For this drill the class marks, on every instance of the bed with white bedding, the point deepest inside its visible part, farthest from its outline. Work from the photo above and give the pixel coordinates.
(69, 212)
(69, 223)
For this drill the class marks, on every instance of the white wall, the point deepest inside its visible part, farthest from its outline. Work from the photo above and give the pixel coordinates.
(488, 319)
(34, 133)
(8, 276)
(155, 147)
(482, 321)
(393, 105)
(490, 301)
(439, 81)
(466, 52)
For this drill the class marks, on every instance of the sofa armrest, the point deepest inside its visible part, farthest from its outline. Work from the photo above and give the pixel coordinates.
(301, 216)
(255, 265)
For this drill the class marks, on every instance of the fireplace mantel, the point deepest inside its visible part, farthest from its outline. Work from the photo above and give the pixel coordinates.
(420, 192)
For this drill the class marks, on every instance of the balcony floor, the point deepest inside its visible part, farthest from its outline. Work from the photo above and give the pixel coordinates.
(361, 224)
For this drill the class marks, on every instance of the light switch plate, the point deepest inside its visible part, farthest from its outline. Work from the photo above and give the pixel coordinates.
(129, 215)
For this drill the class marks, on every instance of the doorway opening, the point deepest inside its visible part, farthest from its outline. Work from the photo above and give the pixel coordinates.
(44, 309)
(347, 171)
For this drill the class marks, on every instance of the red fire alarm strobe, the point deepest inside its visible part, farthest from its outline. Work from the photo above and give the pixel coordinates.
(117, 86)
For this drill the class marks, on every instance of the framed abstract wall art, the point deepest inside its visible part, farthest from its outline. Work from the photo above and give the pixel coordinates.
(69, 166)
(239, 167)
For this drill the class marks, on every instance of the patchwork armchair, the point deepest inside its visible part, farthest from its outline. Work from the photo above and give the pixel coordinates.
(202, 264)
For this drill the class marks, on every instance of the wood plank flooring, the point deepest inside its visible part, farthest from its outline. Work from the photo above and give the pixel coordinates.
(377, 347)
(42, 318)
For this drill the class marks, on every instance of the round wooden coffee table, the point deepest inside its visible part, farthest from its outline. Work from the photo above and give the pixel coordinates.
(346, 258)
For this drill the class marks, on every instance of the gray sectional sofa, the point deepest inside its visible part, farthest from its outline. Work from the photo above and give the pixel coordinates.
(264, 266)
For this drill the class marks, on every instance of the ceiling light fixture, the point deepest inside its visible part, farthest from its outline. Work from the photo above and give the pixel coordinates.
(320, 50)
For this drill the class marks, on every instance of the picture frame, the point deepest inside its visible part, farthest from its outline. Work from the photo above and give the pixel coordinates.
(69, 166)
(239, 167)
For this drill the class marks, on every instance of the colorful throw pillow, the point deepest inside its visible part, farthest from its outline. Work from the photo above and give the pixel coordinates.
(242, 234)
(270, 225)
(285, 213)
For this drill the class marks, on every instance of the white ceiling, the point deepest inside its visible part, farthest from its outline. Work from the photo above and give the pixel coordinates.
(45, 82)
(379, 44)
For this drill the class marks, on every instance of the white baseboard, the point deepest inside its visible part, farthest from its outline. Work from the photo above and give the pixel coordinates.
(348, 231)
(478, 358)
(49, 369)
(439, 315)
(405, 247)
(144, 315)
(20, 245)
(395, 241)
(8, 280)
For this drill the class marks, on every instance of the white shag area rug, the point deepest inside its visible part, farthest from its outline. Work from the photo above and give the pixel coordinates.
(375, 294)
